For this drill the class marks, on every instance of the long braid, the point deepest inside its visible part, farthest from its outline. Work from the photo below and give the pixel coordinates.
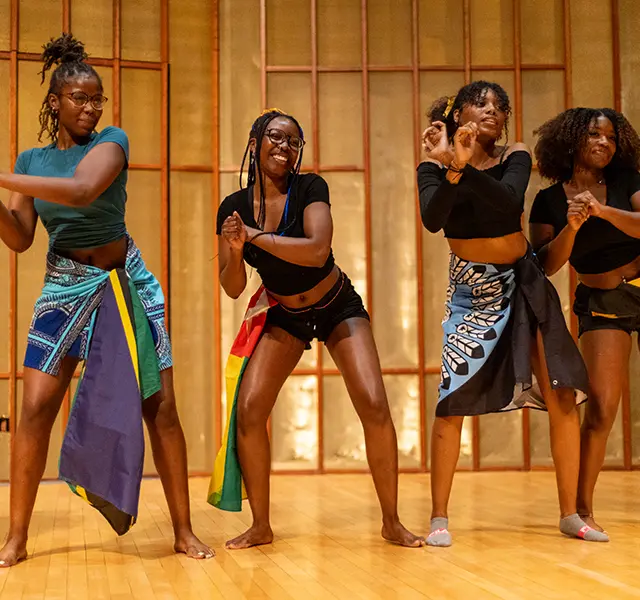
(68, 54)
(254, 172)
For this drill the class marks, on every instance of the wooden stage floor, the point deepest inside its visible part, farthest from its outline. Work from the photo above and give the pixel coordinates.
(506, 545)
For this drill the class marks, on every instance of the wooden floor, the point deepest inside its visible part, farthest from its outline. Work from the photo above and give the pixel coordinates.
(506, 545)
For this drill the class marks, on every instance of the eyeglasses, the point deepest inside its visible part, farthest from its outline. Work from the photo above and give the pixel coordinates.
(80, 99)
(278, 137)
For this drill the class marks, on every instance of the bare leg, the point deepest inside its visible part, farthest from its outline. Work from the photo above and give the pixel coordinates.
(276, 355)
(564, 423)
(445, 450)
(606, 353)
(352, 347)
(43, 396)
(170, 457)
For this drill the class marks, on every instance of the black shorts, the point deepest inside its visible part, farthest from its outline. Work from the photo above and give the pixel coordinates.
(318, 321)
(618, 308)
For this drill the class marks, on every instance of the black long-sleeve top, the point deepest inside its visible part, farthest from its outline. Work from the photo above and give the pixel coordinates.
(484, 204)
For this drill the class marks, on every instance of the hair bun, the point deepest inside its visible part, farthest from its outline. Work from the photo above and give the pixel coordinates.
(64, 49)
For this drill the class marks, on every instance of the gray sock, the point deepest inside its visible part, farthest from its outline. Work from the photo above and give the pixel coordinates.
(439, 535)
(574, 526)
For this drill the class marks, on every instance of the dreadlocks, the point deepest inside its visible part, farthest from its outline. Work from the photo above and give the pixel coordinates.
(68, 54)
(473, 93)
(560, 139)
(254, 172)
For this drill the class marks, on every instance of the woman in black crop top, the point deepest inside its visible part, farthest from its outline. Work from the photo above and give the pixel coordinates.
(281, 225)
(590, 218)
(500, 307)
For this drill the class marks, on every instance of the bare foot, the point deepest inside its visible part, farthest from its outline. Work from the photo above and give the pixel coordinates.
(254, 536)
(590, 521)
(13, 552)
(190, 545)
(396, 533)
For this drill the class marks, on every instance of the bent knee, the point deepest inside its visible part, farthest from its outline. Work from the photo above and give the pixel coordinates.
(251, 414)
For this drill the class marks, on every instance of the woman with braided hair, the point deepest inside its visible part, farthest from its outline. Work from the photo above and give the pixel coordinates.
(503, 319)
(77, 187)
(589, 217)
(281, 225)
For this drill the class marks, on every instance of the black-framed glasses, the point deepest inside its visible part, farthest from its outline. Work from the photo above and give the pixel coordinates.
(278, 137)
(80, 99)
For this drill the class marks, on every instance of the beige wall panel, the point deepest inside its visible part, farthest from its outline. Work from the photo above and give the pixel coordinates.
(541, 31)
(441, 33)
(294, 425)
(403, 392)
(630, 60)
(389, 29)
(343, 436)
(291, 92)
(190, 89)
(542, 99)
(30, 98)
(491, 32)
(192, 332)
(340, 119)
(38, 22)
(141, 114)
(144, 218)
(344, 446)
(539, 440)
(288, 32)
(501, 440)
(239, 76)
(339, 33)
(5, 24)
(393, 220)
(591, 53)
(92, 24)
(140, 30)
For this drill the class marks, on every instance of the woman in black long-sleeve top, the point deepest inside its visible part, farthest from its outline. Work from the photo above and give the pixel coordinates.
(503, 320)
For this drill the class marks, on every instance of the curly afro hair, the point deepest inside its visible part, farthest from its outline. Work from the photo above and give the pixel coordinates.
(473, 93)
(560, 139)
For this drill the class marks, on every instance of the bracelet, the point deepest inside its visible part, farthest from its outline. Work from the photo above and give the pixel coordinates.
(455, 168)
(257, 235)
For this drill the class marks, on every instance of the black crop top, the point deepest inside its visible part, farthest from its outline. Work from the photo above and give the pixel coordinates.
(484, 204)
(279, 276)
(599, 246)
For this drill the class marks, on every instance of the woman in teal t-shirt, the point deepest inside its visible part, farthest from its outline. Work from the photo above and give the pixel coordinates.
(77, 186)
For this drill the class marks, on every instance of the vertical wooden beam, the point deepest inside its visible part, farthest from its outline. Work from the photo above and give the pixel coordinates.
(415, 63)
(316, 169)
(117, 47)
(13, 259)
(517, 67)
(263, 52)
(615, 39)
(466, 29)
(367, 157)
(215, 200)
(66, 16)
(568, 72)
(165, 215)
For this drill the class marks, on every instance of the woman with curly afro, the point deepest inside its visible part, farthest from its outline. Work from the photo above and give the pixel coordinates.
(503, 319)
(590, 218)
